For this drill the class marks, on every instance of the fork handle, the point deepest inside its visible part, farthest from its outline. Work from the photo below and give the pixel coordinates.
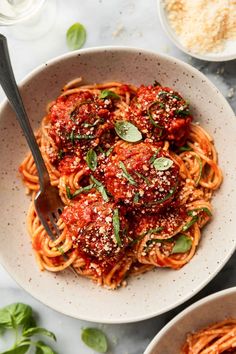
(8, 83)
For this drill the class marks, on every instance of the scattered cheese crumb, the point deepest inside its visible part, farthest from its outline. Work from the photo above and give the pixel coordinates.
(203, 25)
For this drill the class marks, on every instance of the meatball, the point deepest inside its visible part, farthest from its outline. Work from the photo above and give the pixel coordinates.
(141, 174)
(163, 225)
(160, 113)
(98, 230)
(77, 122)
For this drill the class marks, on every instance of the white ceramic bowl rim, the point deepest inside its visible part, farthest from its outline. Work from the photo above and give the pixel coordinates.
(231, 114)
(204, 300)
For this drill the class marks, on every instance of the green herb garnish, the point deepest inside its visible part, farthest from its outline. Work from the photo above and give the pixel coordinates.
(127, 131)
(95, 339)
(90, 125)
(153, 158)
(200, 169)
(162, 163)
(136, 198)
(19, 317)
(143, 177)
(75, 36)
(185, 148)
(192, 212)
(151, 117)
(183, 112)
(72, 137)
(126, 174)
(182, 244)
(91, 159)
(190, 223)
(116, 226)
(61, 154)
(100, 187)
(78, 191)
(108, 94)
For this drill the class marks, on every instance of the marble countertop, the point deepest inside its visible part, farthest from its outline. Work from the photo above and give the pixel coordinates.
(117, 22)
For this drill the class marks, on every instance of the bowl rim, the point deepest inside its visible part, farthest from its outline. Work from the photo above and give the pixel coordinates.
(174, 39)
(230, 114)
(187, 311)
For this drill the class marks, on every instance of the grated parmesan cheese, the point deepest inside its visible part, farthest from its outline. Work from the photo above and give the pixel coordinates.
(202, 25)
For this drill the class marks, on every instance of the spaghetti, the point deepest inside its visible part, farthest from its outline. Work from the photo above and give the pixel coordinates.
(136, 177)
(214, 339)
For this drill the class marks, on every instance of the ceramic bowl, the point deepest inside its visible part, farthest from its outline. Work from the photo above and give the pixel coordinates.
(228, 52)
(152, 293)
(211, 309)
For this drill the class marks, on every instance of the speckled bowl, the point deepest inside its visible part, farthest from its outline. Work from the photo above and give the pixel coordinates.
(154, 292)
(211, 309)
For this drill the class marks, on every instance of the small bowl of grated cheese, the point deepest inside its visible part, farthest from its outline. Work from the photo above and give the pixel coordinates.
(205, 29)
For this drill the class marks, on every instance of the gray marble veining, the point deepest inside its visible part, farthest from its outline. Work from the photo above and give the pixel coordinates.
(116, 22)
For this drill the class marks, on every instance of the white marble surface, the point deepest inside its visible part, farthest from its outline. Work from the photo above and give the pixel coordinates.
(114, 22)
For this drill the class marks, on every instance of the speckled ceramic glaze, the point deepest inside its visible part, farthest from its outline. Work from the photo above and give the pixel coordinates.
(154, 292)
(211, 309)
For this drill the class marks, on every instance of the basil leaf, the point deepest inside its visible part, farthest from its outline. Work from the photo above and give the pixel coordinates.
(153, 158)
(14, 315)
(95, 339)
(190, 223)
(184, 112)
(206, 210)
(126, 174)
(151, 117)
(101, 189)
(182, 244)
(162, 163)
(68, 192)
(75, 36)
(127, 131)
(61, 154)
(108, 94)
(42, 348)
(38, 330)
(91, 159)
(152, 231)
(116, 226)
(72, 137)
(81, 190)
(29, 323)
(143, 177)
(88, 125)
(185, 148)
(22, 349)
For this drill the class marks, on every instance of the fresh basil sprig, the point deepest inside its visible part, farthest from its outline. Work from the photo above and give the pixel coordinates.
(91, 159)
(95, 339)
(116, 226)
(20, 317)
(127, 131)
(76, 36)
(108, 94)
(162, 163)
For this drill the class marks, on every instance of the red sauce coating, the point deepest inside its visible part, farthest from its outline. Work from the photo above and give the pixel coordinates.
(160, 113)
(130, 176)
(90, 223)
(77, 122)
(170, 220)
